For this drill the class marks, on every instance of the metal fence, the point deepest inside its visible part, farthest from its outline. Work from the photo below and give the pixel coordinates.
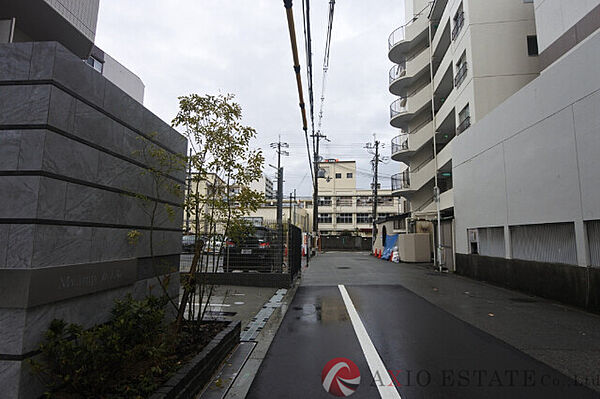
(345, 243)
(266, 257)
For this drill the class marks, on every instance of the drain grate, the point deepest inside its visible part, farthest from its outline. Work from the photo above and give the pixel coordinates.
(343, 267)
(212, 313)
(257, 323)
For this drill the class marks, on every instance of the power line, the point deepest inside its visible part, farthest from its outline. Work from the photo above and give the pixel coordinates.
(292, 31)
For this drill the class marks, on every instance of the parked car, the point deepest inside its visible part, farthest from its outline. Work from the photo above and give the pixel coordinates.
(188, 243)
(213, 244)
(257, 251)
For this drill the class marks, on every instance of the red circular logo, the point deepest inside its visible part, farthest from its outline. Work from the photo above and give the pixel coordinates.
(340, 377)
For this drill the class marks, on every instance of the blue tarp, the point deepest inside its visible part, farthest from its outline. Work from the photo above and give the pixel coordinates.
(390, 243)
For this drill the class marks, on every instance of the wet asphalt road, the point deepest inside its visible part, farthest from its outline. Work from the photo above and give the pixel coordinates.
(427, 352)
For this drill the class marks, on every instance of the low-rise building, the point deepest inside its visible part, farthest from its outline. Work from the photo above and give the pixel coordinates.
(343, 207)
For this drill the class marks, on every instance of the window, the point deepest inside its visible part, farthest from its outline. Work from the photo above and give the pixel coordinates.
(461, 70)
(324, 201)
(527, 1)
(364, 201)
(348, 175)
(385, 201)
(464, 120)
(324, 218)
(94, 63)
(343, 201)
(364, 218)
(344, 218)
(338, 175)
(459, 21)
(400, 224)
(532, 45)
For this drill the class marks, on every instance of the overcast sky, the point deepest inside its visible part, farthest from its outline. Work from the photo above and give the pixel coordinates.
(178, 47)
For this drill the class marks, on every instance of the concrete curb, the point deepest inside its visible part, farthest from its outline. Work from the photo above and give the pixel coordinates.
(241, 385)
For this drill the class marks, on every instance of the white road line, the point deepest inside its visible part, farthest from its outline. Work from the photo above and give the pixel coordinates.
(380, 374)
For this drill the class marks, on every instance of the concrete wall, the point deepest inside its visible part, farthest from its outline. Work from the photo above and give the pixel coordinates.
(82, 14)
(68, 176)
(554, 17)
(126, 80)
(534, 159)
(70, 22)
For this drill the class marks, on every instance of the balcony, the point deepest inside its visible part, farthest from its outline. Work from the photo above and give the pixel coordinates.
(403, 75)
(405, 108)
(397, 72)
(406, 38)
(447, 200)
(401, 183)
(400, 148)
(397, 44)
(422, 173)
(444, 156)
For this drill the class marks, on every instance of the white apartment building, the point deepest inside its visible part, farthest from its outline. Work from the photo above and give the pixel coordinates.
(526, 176)
(264, 185)
(455, 61)
(343, 207)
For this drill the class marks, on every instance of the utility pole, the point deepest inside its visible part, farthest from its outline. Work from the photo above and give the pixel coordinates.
(294, 217)
(278, 146)
(375, 185)
(189, 189)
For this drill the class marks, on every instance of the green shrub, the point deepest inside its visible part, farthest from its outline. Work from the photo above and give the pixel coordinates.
(125, 357)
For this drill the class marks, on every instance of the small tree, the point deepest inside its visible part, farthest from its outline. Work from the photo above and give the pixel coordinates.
(221, 160)
(159, 166)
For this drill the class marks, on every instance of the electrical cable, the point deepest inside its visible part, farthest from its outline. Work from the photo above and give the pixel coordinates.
(292, 31)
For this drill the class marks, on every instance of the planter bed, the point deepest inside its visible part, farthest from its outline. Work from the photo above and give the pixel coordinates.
(196, 373)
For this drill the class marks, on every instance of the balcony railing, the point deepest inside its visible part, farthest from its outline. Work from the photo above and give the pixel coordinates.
(398, 107)
(464, 125)
(395, 37)
(459, 21)
(401, 181)
(400, 143)
(398, 71)
(460, 74)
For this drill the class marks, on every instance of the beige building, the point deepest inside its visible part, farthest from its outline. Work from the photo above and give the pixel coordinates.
(343, 207)
(266, 215)
(455, 61)
(203, 190)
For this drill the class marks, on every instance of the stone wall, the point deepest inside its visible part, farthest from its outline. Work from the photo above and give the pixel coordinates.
(71, 173)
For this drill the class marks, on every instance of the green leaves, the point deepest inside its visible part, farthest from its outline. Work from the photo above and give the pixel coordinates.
(99, 362)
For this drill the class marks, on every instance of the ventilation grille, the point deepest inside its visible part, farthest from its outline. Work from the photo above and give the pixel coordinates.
(593, 233)
(552, 243)
(491, 241)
